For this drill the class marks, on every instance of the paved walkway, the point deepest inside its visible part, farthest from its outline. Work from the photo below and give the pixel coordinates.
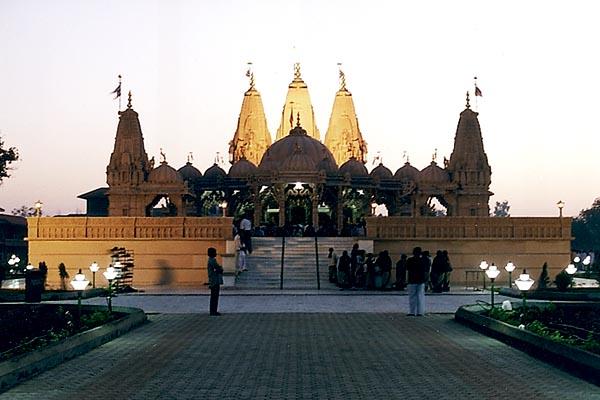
(303, 356)
(293, 301)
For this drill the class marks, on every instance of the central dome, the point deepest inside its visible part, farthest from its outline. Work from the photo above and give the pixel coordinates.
(297, 152)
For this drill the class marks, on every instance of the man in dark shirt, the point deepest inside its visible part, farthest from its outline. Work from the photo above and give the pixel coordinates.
(417, 267)
(215, 280)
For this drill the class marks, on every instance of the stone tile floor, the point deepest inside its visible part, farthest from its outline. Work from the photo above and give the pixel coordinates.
(304, 356)
(301, 345)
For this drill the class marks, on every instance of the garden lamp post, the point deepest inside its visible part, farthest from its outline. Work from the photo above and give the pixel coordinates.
(586, 265)
(524, 283)
(483, 265)
(571, 269)
(224, 207)
(510, 267)
(38, 208)
(492, 272)
(79, 283)
(94, 267)
(110, 274)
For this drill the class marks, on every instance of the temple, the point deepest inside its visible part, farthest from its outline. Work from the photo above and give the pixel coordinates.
(286, 186)
(297, 180)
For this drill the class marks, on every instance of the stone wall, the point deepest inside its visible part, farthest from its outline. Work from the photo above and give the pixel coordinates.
(527, 242)
(167, 251)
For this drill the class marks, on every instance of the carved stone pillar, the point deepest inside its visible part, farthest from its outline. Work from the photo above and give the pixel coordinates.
(339, 210)
(279, 193)
(257, 207)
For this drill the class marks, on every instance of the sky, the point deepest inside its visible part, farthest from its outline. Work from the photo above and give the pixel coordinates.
(408, 65)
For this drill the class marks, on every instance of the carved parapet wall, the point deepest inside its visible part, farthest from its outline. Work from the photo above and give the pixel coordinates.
(69, 228)
(528, 242)
(167, 251)
(469, 228)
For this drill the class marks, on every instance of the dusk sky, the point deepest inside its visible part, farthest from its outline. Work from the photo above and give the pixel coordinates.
(407, 64)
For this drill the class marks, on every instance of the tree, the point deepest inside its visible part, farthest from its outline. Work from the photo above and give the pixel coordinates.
(24, 211)
(586, 229)
(501, 209)
(7, 156)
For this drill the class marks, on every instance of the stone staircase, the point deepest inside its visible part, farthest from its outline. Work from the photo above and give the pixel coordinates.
(299, 266)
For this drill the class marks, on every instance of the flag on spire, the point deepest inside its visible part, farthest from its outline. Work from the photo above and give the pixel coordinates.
(477, 90)
(117, 91)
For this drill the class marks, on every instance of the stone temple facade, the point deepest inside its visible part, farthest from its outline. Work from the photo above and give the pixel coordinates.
(297, 179)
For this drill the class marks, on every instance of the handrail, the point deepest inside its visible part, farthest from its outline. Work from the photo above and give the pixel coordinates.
(317, 260)
(282, 258)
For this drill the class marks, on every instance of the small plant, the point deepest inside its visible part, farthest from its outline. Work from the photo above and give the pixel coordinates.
(563, 281)
(64, 275)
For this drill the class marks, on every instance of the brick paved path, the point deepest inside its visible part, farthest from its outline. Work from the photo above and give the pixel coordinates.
(304, 356)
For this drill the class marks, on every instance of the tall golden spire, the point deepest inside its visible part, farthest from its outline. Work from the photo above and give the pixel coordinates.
(297, 102)
(252, 137)
(343, 137)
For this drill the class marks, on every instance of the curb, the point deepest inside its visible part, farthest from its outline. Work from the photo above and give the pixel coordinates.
(581, 363)
(571, 295)
(22, 367)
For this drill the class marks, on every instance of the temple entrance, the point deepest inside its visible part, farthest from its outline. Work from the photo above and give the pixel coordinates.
(298, 211)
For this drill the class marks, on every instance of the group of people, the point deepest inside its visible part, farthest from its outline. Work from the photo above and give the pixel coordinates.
(359, 269)
(438, 271)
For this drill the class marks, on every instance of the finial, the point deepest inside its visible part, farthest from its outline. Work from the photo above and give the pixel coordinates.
(342, 78)
(297, 74)
(468, 105)
(190, 157)
(250, 74)
(298, 119)
(405, 156)
(163, 156)
(129, 100)
(434, 155)
(219, 159)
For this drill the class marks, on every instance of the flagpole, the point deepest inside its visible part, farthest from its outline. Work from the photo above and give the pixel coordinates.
(475, 94)
(119, 92)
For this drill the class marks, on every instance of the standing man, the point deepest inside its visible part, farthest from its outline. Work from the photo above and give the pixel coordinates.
(417, 268)
(215, 280)
(246, 233)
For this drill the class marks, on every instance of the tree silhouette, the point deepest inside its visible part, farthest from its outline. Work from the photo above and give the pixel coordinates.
(7, 156)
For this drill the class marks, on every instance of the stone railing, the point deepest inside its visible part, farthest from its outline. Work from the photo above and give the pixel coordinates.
(75, 228)
(526, 228)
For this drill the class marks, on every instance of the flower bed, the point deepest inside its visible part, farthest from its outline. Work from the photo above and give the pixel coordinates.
(564, 334)
(25, 329)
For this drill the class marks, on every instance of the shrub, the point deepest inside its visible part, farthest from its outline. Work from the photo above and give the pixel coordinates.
(563, 281)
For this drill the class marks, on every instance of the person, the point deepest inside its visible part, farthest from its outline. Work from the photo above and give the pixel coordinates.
(240, 253)
(426, 257)
(370, 267)
(417, 268)
(401, 273)
(447, 271)
(353, 264)
(437, 272)
(361, 277)
(246, 233)
(343, 268)
(385, 263)
(215, 280)
(333, 259)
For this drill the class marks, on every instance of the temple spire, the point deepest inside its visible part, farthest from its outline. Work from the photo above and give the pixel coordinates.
(468, 166)
(297, 101)
(468, 105)
(343, 137)
(252, 137)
